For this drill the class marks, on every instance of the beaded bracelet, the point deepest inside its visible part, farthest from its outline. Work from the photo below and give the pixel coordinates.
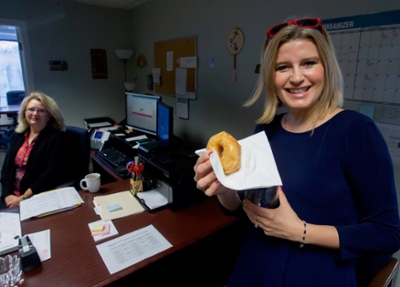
(304, 234)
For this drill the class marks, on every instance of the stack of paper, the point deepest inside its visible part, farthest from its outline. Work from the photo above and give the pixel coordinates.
(116, 205)
(50, 202)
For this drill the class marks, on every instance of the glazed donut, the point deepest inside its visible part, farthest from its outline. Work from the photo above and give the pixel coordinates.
(228, 150)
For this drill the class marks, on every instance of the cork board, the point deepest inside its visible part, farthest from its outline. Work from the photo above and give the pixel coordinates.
(167, 58)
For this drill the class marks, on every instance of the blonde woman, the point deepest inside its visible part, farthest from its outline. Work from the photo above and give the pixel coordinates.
(35, 156)
(338, 205)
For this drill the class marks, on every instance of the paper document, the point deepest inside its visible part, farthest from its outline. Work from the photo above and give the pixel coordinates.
(156, 75)
(131, 248)
(112, 128)
(10, 227)
(188, 62)
(129, 205)
(50, 202)
(135, 138)
(182, 107)
(170, 61)
(101, 124)
(41, 241)
(180, 81)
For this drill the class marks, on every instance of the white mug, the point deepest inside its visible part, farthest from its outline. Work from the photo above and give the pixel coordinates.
(91, 182)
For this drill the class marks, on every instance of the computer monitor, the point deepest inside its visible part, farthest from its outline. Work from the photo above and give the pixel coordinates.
(141, 113)
(164, 121)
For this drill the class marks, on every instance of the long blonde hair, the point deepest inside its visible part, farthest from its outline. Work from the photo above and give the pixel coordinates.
(332, 94)
(56, 117)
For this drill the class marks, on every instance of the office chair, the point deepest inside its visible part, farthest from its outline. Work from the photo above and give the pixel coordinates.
(385, 275)
(5, 138)
(77, 141)
(15, 97)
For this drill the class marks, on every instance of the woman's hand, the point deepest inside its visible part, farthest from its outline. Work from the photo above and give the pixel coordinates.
(207, 181)
(280, 222)
(13, 200)
(205, 177)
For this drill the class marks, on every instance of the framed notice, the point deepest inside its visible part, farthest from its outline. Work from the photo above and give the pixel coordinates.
(99, 63)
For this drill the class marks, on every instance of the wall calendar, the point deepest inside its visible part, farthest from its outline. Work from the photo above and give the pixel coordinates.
(368, 50)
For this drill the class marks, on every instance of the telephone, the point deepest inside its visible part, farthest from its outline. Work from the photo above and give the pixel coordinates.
(29, 257)
(97, 138)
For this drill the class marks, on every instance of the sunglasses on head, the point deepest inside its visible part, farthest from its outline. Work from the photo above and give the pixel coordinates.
(312, 23)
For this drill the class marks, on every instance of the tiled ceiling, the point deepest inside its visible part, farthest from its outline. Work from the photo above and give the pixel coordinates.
(121, 4)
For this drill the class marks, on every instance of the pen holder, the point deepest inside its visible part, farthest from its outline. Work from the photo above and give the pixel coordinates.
(135, 186)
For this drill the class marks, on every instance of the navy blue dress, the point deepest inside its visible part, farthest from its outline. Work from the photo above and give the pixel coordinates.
(342, 175)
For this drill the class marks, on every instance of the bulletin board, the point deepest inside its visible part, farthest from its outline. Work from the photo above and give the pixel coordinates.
(368, 51)
(168, 60)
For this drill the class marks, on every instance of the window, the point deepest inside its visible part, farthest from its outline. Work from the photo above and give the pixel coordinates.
(15, 65)
(10, 63)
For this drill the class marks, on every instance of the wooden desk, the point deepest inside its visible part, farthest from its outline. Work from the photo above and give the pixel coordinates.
(75, 260)
(11, 109)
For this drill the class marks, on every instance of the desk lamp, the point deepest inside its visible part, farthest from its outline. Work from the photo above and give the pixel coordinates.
(124, 56)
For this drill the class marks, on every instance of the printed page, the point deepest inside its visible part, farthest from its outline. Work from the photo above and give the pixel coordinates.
(131, 248)
(10, 228)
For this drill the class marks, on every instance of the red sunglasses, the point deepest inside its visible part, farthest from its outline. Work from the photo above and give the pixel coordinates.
(312, 23)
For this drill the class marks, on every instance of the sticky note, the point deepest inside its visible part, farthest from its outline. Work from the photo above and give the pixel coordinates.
(97, 228)
(114, 207)
(105, 231)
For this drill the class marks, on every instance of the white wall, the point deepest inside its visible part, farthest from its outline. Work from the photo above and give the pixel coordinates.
(219, 103)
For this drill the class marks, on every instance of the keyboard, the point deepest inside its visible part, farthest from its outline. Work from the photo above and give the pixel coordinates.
(113, 157)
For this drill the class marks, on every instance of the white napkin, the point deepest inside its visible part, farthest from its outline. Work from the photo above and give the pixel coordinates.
(258, 168)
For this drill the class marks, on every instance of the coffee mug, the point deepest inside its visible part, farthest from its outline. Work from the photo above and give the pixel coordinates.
(264, 197)
(91, 182)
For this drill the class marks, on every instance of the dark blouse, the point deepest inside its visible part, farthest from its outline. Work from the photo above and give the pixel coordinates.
(342, 175)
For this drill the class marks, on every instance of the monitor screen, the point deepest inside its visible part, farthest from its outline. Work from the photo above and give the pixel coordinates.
(97, 135)
(141, 113)
(164, 121)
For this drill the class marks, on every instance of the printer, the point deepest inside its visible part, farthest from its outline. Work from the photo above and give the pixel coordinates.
(168, 167)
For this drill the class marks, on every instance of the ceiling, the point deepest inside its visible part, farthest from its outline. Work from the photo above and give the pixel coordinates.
(121, 4)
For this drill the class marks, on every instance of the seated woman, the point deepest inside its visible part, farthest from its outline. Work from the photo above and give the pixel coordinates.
(35, 156)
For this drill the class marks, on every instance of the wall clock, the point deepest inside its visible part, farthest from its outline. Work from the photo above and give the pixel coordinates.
(234, 44)
(235, 41)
